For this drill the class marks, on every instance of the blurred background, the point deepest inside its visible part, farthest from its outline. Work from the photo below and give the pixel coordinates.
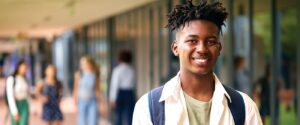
(260, 47)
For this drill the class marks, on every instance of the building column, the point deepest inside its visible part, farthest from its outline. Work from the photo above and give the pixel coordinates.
(231, 42)
(251, 47)
(298, 69)
(275, 65)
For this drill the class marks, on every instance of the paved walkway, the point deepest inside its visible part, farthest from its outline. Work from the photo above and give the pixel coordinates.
(67, 106)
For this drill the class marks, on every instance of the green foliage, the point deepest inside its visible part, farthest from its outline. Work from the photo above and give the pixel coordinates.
(289, 31)
(262, 29)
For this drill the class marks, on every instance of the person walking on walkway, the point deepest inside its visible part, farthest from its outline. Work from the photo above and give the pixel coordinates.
(49, 91)
(122, 90)
(87, 92)
(17, 94)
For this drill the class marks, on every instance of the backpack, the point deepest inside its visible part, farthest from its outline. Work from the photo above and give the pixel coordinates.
(5, 92)
(157, 109)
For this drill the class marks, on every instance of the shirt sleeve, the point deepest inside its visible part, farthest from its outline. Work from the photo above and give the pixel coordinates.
(114, 85)
(11, 96)
(252, 114)
(141, 114)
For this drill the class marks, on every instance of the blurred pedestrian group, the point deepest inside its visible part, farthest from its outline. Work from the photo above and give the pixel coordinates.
(89, 100)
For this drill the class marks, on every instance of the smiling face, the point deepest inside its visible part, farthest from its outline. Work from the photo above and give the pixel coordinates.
(197, 45)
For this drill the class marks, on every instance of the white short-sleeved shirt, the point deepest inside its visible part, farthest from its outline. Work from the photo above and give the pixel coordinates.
(176, 110)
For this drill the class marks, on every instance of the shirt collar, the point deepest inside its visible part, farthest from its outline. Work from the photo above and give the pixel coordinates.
(172, 89)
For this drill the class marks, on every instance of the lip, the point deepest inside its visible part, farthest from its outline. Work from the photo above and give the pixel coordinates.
(201, 61)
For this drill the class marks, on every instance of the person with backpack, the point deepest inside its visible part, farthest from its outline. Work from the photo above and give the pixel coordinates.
(49, 91)
(17, 90)
(195, 96)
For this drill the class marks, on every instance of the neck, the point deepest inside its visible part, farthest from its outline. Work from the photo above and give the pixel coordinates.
(20, 75)
(123, 63)
(50, 80)
(89, 70)
(200, 87)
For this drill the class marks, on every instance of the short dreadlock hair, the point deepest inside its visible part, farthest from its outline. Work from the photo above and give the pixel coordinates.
(185, 13)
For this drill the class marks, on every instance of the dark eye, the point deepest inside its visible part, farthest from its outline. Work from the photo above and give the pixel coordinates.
(192, 41)
(212, 42)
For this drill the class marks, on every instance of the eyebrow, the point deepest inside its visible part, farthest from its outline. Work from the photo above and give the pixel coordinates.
(193, 36)
(196, 36)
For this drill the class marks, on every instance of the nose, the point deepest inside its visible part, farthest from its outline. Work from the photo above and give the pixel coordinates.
(201, 47)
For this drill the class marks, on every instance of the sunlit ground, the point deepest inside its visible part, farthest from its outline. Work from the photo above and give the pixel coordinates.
(67, 106)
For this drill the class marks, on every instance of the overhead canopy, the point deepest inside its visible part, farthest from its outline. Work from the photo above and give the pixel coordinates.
(39, 18)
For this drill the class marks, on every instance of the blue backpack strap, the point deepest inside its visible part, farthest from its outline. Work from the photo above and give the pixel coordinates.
(237, 106)
(156, 108)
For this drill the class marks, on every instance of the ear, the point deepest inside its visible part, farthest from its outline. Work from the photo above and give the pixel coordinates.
(174, 48)
(220, 48)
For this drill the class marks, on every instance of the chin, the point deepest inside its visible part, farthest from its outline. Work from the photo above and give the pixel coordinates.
(203, 72)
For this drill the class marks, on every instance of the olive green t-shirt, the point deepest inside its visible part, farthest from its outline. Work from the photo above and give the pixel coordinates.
(198, 111)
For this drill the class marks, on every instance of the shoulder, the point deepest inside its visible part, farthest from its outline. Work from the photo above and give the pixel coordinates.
(249, 103)
(129, 66)
(118, 70)
(252, 113)
(142, 107)
(40, 83)
(10, 78)
(141, 114)
(119, 66)
(142, 102)
(78, 74)
(123, 67)
(59, 82)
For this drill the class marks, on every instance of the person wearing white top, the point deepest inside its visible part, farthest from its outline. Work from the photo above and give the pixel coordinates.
(18, 94)
(122, 95)
(197, 45)
(176, 112)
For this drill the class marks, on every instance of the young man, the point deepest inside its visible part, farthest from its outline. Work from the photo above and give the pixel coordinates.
(195, 96)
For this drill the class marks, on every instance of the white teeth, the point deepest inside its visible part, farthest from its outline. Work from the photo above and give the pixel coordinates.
(201, 60)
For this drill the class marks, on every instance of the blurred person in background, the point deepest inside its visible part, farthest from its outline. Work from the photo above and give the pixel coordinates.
(17, 89)
(241, 80)
(122, 89)
(2, 92)
(87, 93)
(49, 91)
(2, 82)
(262, 92)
